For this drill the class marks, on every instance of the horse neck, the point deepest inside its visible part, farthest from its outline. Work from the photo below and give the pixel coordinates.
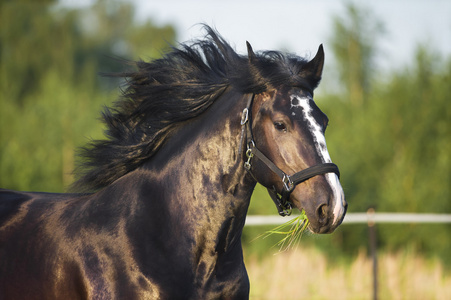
(199, 179)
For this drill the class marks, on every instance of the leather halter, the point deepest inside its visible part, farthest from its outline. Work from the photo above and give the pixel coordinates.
(281, 200)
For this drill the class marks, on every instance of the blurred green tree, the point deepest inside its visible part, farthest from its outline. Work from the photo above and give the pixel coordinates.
(50, 91)
(354, 42)
(394, 151)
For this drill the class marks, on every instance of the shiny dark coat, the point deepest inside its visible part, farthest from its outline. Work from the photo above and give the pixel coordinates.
(161, 231)
(168, 194)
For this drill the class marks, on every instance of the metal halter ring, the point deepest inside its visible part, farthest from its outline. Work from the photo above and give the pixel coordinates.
(286, 209)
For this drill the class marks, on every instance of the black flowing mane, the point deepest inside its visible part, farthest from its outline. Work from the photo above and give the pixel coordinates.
(165, 92)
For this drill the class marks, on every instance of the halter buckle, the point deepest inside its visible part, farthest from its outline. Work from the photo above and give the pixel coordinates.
(287, 183)
(244, 116)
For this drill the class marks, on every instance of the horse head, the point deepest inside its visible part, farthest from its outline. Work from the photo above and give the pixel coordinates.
(287, 138)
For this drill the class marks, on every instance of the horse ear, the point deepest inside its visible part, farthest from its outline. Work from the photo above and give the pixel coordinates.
(314, 67)
(250, 53)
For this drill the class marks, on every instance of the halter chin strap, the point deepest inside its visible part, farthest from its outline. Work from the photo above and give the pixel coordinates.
(281, 200)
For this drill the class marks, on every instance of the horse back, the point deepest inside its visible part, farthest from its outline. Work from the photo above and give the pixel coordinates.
(14, 210)
(31, 262)
(66, 246)
(22, 210)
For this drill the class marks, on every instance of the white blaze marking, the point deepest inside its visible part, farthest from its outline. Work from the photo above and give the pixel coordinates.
(320, 145)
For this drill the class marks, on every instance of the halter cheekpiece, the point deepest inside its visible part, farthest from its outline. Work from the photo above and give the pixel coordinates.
(281, 200)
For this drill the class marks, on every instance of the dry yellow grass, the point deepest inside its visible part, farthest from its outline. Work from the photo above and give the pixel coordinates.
(306, 274)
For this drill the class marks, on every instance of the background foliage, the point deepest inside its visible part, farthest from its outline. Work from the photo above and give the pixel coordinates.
(50, 90)
(390, 132)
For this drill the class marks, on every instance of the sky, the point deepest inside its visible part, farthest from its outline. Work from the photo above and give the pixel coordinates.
(300, 26)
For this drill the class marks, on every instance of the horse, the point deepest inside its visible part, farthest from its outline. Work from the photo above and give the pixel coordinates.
(159, 205)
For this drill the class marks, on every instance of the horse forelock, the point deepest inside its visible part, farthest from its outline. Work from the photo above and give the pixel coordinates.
(164, 93)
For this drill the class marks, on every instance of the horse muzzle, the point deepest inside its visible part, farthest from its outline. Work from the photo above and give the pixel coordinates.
(323, 201)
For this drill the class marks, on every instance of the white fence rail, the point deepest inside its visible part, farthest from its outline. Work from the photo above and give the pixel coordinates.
(362, 218)
(371, 218)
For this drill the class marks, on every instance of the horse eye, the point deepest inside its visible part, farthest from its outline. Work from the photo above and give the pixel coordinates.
(280, 126)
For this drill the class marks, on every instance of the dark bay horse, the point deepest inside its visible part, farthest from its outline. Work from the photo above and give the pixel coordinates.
(165, 196)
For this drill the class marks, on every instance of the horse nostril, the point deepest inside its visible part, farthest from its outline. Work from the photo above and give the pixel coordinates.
(322, 213)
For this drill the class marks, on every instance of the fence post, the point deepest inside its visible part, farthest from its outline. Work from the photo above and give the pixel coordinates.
(373, 248)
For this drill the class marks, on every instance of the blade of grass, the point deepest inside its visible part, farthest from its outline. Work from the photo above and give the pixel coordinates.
(293, 230)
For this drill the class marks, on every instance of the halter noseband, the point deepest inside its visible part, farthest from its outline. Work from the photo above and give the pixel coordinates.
(289, 182)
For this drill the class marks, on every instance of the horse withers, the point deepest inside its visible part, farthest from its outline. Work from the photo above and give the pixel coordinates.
(163, 199)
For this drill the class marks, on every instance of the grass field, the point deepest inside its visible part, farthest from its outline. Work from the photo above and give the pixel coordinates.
(307, 274)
